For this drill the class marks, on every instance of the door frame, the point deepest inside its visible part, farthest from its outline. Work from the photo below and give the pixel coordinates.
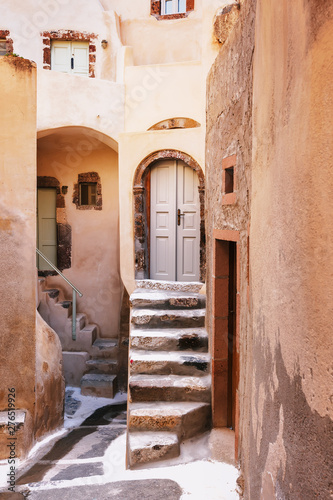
(141, 197)
(64, 231)
(226, 351)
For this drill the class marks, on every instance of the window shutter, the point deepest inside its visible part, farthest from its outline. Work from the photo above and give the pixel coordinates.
(189, 5)
(81, 58)
(61, 56)
(155, 7)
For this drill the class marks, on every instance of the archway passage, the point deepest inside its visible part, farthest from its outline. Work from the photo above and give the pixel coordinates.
(145, 213)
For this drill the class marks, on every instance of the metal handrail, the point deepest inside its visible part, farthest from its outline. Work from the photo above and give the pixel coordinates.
(74, 289)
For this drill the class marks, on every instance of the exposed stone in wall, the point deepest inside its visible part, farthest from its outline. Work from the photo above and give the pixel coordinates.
(88, 177)
(71, 36)
(225, 20)
(175, 123)
(5, 35)
(50, 383)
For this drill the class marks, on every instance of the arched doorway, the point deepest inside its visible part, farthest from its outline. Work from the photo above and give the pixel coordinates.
(169, 174)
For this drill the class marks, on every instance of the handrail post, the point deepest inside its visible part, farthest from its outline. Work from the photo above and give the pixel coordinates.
(74, 315)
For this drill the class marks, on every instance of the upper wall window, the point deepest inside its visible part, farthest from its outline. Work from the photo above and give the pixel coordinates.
(3, 47)
(173, 7)
(70, 57)
(70, 51)
(6, 43)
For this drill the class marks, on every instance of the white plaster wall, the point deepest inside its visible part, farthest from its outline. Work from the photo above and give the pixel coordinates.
(156, 93)
(87, 102)
(133, 148)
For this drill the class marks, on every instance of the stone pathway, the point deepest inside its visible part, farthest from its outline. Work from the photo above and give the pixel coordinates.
(87, 462)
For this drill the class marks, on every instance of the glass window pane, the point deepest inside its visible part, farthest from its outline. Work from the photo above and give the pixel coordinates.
(181, 6)
(168, 7)
(3, 48)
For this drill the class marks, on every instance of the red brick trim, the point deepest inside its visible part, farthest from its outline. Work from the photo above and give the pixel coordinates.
(141, 229)
(69, 35)
(229, 198)
(5, 35)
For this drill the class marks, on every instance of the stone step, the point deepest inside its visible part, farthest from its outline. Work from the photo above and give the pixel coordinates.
(155, 318)
(85, 338)
(194, 339)
(53, 293)
(144, 447)
(81, 321)
(171, 363)
(105, 348)
(74, 365)
(159, 299)
(99, 385)
(169, 388)
(177, 286)
(186, 419)
(103, 365)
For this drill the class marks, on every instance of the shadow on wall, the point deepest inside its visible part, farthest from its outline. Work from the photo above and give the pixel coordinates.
(295, 443)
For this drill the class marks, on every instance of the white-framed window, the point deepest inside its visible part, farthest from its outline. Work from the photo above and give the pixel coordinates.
(173, 7)
(3, 47)
(70, 57)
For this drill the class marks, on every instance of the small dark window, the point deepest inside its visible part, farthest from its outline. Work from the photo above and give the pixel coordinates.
(229, 180)
(88, 193)
(3, 47)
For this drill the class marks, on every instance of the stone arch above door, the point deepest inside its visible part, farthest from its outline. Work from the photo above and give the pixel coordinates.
(141, 226)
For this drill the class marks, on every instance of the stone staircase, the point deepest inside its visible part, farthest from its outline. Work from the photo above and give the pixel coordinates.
(88, 361)
(169, 373)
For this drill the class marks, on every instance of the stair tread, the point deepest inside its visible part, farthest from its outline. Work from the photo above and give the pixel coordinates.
(165, 408)
(149, 439)
(179, 356)
(102, 361)
(174, 312)
(170, 381)
(105, 343)
(169, 332)
(169, 285)
(91, 377)
(168, 299)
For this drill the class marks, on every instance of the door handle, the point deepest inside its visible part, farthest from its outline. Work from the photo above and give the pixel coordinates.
(72, 62)
(179, 215)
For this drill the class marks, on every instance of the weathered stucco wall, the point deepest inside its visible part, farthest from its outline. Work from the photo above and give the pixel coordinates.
(17, 242)
(285, 328)
(229, 132)
(291, 252)
(50, 383)
(95, 233)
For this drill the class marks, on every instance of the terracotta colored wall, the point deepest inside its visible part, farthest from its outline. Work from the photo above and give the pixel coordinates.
(95, 233)
(285, 330)
(17, 242)
(291, 252)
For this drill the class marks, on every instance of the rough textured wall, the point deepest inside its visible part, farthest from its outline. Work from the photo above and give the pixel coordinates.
(50, 384)
(229, 128)
(289, 454)
(17, 244)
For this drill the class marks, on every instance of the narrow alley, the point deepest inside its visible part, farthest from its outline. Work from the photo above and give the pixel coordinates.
(86, 460)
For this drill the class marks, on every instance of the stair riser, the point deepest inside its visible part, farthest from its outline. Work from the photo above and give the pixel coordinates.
(142, 394)
(154, 454)
(191, 342)
(185, 426)
(102, 368)
(191, 368)
(183, 303)
(168, 321)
